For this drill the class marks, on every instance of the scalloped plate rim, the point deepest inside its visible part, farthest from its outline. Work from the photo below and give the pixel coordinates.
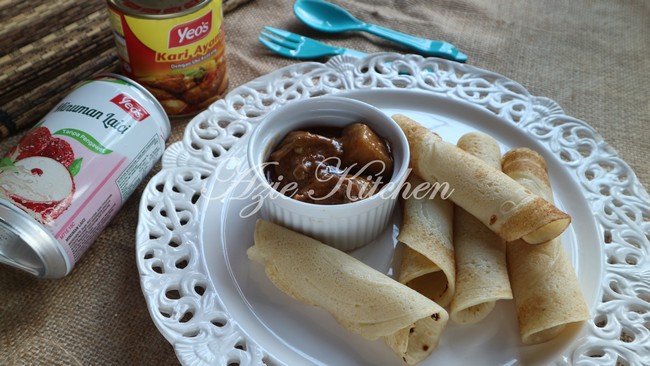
(639, 191)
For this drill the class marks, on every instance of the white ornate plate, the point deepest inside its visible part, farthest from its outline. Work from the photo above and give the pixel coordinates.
(218, 308)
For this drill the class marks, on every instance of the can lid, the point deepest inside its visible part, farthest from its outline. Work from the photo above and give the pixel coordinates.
(25, 244)
(158, 9)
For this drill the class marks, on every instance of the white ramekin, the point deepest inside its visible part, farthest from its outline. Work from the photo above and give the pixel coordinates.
(344, 226)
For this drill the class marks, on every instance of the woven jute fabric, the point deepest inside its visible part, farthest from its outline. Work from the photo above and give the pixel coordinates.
(590, 56)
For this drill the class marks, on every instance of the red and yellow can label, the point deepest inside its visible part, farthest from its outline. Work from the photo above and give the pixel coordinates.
(180, 59)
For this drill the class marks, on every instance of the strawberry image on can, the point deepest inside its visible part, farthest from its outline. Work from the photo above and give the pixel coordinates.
(68, 176)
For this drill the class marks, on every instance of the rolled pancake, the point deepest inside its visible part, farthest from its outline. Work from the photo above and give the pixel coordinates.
(360, 298)
(427, 263)
(506, 207)
(481, 270)
(544, 283)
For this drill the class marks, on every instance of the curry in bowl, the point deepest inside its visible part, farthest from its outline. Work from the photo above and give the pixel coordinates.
(330, 165)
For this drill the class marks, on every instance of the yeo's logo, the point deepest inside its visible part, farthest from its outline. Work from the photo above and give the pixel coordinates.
(131, 106)
(190, 32)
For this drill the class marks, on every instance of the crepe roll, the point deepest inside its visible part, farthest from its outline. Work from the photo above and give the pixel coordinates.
(427, 263)
(481, 270)
(546, 290)
(360, 298)
(498, 201)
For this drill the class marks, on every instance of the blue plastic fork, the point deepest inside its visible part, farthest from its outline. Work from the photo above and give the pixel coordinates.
(300, 47)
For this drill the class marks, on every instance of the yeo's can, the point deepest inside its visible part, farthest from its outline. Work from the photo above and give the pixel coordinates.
(175, 48)
(69, 176)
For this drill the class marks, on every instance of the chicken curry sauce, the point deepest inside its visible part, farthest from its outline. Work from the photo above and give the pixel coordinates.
(330, 165)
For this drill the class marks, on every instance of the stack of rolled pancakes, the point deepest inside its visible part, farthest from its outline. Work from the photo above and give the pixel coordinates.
(495, 237)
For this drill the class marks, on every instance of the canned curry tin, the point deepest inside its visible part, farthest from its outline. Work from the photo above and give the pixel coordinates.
(175, 48)
(69, 176)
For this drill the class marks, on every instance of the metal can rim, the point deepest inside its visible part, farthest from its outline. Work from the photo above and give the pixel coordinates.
(119, 6)
(54, 262)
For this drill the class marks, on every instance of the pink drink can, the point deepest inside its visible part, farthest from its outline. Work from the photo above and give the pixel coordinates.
(69, 176)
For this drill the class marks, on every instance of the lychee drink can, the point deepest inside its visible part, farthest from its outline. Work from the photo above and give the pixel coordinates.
(69, 176)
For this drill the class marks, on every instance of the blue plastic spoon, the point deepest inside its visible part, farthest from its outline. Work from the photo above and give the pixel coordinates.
(330, 18)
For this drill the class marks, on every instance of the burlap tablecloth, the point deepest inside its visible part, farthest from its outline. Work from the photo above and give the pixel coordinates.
(591, 56)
